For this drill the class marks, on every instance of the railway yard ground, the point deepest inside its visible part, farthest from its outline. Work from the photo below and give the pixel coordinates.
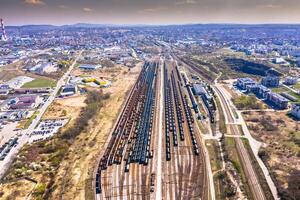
(48, 161)
(135, 167)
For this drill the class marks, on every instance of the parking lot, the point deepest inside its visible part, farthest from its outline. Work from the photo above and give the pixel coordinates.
(47, 128)
(7, 146)
(8, 131)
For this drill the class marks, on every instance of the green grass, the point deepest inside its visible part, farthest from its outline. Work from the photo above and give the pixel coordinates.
(297, 86)
(222, 125)
(214, 155)
(290, 92)
(241, 129)
(246, 102)
(29, 121)
(233, 157)
(297, 96)
(219, 188)
(40, 83)
(279, 89)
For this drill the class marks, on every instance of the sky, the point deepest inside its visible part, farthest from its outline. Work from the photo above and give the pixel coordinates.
(60, 12)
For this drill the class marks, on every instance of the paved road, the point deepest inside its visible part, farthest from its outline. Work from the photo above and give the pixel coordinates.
(5, 164)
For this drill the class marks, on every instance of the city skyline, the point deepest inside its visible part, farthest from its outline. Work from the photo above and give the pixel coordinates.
(22, 12)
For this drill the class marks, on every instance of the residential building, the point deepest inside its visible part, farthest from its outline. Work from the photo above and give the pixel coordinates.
(270, 81)
(296, 111)
(242, 83)
(279, 61)
(291, 80)
(263, 91)
(277, 100)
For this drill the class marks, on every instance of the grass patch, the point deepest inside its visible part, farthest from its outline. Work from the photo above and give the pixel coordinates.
(297, 86)
(233, 156)
(40, 83)
(29, 121)
(223, 186)
(279, 89)
(222, 125)
(219, 188)
(247, 102)
(258, 170)
(241, 129)
(214, 155)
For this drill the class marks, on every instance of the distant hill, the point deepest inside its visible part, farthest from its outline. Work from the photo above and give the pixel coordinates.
(198, 26)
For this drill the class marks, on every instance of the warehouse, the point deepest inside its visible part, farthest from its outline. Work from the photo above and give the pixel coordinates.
(68, 90)
(89, 67)
(200, 90)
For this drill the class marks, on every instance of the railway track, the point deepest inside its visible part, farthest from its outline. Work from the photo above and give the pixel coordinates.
(129, 162)
(256, 189)
(184, 165)
(123, 170)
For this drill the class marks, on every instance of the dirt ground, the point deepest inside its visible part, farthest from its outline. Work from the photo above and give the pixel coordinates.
(102, 73)
(68, 107)
(281, 136)
(16, 190)
(75, 173)
(13, 70)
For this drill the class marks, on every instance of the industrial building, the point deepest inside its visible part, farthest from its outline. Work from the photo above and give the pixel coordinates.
(270, 81)
(200, 90)
(24, 102)
(89, 67)
(44, 68)
(68, 90)
(295, 111)
(31, 91)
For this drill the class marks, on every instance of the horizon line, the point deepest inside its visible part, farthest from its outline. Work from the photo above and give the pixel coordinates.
(146, 24)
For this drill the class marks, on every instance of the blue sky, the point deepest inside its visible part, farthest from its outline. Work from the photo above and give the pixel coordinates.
(58, 12)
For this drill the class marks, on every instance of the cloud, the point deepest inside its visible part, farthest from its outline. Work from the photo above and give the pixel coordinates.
(63, 6)
(34, 2)
(87, 9)
(269, 6)
(184, 2)
(152, 10)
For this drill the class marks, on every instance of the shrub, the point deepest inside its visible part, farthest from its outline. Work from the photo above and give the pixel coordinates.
(247, 102)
